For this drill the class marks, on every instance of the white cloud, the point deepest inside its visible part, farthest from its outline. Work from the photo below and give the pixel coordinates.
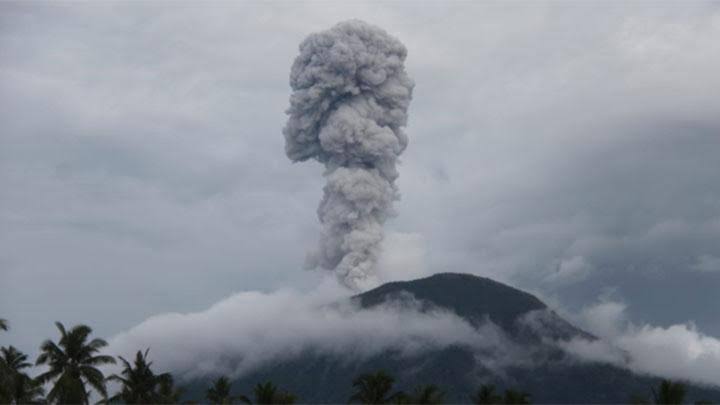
(570, 270)
(605, 319)
(678, 351)
(249, 329)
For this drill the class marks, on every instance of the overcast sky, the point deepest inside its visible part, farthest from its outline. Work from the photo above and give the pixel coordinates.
(571, 149)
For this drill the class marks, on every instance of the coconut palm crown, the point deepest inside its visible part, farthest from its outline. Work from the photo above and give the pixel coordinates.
(73, 364)
(140, 385)
(15, 385)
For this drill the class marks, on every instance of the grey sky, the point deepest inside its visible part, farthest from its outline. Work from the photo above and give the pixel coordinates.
(570, 149)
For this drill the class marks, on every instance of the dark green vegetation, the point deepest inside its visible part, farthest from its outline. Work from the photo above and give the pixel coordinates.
(219, 392)
(374, 388)
(71, 366)
(264, 393)
(140, 385)
(669, 392)
(15, 385)
(268, 393)
(377, 388)
(486, 395)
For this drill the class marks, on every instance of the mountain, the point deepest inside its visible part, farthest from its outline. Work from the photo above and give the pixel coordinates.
(477, 299)
(546, 372)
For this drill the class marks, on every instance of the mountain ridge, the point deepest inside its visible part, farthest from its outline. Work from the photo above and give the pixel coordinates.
(476, 299)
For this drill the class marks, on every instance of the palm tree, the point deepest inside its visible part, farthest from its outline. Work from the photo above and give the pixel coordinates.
(637, 400)
(485, 395)
(140, 385)
(669, 392)
(17, 386)
(269, 394)
(426, 395)
(169, 393)
(73, 363)
(5, 384)
(374, 389)
(516, 397)
(219, 392)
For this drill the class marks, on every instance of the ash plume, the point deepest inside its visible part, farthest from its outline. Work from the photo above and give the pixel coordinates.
(350, 99)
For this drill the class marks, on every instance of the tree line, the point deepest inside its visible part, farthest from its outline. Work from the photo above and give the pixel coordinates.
(72, 372)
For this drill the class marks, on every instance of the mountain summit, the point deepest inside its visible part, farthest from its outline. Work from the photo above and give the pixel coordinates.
(471, 297)
(477, 300)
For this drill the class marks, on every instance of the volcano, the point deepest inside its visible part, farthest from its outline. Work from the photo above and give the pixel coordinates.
(545, 371)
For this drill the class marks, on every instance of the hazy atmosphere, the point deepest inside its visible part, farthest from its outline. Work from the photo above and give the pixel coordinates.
(569, 149)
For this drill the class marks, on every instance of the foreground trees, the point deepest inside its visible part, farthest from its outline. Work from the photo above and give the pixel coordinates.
(516, 397)
(268, 393)
(16, 386)
(219, 392)
(264, 393)
(374, 388)
(140, 385)
(486, 395)
(425, 395)
(169, 393)
(72, 370)
(73, 363)
(667, 393)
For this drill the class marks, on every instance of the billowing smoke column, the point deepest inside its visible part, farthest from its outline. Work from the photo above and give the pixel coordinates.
(350, 99)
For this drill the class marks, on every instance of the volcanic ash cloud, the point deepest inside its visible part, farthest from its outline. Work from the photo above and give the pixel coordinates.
(349, 102)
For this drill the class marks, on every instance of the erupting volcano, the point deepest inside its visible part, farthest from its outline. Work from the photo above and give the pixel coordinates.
(349, 104)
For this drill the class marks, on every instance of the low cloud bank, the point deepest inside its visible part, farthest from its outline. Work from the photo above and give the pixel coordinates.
(678, 351)
(250, 329)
